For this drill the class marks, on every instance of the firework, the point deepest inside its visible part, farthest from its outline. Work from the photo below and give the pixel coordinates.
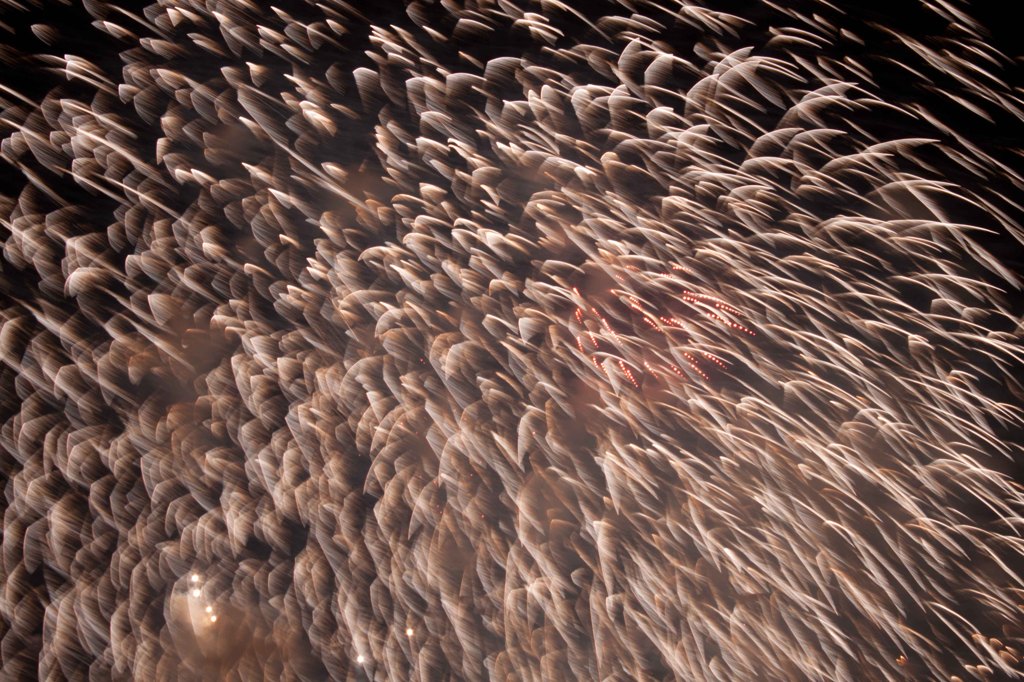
(508, 340)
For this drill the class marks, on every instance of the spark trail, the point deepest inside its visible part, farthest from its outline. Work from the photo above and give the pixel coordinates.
(509, 340)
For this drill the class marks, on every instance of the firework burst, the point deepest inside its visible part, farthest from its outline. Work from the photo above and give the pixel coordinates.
(510, 340)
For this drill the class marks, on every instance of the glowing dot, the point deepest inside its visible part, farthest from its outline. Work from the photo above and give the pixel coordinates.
(408, 631)
(195, 577)
(209, 609)
(360, 659)
(196, 593)
(213, 618)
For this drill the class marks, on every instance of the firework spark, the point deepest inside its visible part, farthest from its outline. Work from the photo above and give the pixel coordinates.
(642, 334)
(509, 340)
